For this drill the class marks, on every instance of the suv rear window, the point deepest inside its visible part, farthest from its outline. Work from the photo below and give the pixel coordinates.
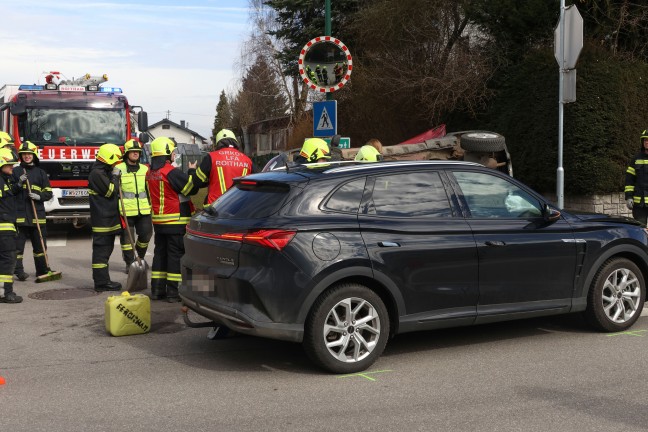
(251, 202)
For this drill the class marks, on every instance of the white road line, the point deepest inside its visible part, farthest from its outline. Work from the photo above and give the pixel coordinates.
(57, 242)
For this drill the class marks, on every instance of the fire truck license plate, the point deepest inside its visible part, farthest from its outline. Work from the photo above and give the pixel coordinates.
(74, 192)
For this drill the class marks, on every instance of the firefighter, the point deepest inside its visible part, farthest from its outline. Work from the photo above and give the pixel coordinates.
(171, 209)
(7, 141)
(314, 150)
(370, 152)
(103, 183)
(137, 203)
(219, 168)
(636, 182)
(39, 191)
(8, 189)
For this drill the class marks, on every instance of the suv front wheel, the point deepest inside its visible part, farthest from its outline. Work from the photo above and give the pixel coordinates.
(347, 329)
(616, 296)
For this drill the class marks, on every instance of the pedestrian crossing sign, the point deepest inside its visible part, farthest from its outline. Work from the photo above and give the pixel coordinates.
(324, 118)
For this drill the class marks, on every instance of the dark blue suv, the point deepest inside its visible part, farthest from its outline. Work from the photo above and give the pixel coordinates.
(341, 257)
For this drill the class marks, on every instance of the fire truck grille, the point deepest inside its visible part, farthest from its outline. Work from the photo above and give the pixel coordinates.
(74, 201)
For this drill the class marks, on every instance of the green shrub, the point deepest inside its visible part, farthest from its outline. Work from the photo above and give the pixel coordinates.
(600, 130)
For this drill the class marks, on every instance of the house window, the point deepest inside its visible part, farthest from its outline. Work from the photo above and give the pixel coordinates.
(166, 126)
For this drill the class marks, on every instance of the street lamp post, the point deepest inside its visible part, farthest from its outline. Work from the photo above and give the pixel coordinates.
(327, 31)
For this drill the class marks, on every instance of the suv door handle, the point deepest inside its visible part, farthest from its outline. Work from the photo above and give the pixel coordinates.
(388, 244)
(495, 243)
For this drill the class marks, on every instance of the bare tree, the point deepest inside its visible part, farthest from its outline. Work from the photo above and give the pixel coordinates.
(422, 57)
(261, 45)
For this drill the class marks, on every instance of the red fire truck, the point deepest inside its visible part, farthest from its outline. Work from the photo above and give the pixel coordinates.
(68, 120)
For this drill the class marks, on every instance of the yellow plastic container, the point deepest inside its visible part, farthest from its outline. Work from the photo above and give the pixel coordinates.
(128, 314)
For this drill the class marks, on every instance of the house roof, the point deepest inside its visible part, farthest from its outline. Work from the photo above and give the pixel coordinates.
(169, 122)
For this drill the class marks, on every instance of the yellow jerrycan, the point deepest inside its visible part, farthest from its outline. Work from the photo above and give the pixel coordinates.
(128, 314)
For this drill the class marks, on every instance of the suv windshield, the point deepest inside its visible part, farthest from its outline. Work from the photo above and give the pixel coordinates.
(75, 126)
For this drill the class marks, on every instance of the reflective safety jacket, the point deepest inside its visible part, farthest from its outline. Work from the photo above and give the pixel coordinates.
(169, 189)
(40, 185)
(134, 189)
(218, 170)
(104, 200)
(636, 182)
(8, 189)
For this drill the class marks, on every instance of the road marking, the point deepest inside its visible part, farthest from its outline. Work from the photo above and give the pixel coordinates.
(365, 374)
(629, 333)
(57, 242)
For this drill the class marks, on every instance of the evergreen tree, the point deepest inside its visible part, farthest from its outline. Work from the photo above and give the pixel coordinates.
(223, 117)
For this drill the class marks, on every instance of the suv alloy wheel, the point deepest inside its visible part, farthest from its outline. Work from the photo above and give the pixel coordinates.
(347, 329)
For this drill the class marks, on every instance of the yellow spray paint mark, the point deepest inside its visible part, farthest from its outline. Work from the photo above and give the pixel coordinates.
(630, 333)
(365, 374)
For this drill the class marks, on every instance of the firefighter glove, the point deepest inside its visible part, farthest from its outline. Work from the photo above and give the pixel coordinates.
(34, 196)
(629, 204)
(23, 179)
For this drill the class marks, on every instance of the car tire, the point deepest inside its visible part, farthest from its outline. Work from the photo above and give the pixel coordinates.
(482, 141)
(616, 296)
(333, 318)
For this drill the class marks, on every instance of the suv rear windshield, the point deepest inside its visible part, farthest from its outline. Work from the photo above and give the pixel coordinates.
(251, 202)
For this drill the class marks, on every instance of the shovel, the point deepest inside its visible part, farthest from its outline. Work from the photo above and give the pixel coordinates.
(136, 280)
(50, 275)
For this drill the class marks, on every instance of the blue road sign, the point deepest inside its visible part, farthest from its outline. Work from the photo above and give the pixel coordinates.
(324, 118)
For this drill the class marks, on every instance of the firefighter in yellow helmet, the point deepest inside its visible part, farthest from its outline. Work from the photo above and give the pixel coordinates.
(8, 189)
(314, 150)
(218, 169)
(636, 181)
(171, 209)
(137, 202)
(103, 183)
(37, 191)
(7, 141)
(370, 152)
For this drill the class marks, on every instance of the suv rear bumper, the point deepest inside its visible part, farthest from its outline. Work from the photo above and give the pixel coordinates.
(241, 323)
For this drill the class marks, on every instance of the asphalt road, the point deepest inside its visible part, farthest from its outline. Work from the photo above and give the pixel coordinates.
(63, 372)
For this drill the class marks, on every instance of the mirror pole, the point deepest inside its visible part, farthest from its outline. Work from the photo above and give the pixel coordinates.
(327, 32)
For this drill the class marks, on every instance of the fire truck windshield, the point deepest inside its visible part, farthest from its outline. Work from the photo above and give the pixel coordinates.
(54, 126)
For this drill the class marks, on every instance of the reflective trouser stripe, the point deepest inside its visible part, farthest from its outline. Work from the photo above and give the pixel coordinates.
(126, 246)
(174, 277)
(141, 245)
(106, 229)
(158, 275)
(98, 266)
(6, 278)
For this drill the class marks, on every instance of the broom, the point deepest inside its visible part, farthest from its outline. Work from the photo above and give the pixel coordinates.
(50, 275)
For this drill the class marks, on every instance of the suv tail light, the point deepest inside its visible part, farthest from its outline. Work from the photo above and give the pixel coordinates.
(270, 238)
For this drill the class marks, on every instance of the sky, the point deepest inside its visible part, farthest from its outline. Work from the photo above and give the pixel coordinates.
(174, 56)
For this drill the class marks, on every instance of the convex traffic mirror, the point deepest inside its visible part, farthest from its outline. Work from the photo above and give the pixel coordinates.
(325, 64)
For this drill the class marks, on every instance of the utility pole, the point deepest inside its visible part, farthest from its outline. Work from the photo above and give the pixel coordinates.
(560, 172)
(327, 31)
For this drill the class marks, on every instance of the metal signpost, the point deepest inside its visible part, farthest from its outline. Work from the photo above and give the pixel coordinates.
(568, 42)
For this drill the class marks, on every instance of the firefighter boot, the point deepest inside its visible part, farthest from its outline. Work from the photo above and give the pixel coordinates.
(9, 295)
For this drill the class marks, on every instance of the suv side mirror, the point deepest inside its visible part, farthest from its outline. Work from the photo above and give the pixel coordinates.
(550, 214)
